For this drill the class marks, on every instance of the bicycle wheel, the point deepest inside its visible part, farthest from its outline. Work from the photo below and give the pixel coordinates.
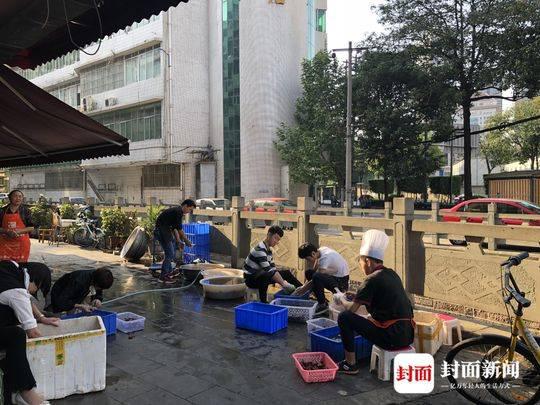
(83, 238)
(491, 388)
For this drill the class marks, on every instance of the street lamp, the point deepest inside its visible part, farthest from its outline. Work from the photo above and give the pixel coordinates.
(348, 151)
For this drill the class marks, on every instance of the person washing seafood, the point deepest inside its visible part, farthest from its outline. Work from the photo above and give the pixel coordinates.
(390, 325)
(260, 270)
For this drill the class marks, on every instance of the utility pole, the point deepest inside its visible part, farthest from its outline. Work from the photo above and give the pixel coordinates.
(348, 151)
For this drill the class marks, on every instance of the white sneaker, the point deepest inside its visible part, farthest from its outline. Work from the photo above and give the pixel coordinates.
(17, 399)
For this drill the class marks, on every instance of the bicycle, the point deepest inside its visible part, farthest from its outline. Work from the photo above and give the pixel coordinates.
(495, 355)
(88, 234)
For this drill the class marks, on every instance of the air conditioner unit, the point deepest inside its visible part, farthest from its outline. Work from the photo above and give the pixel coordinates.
(109, 102)
(88, 104)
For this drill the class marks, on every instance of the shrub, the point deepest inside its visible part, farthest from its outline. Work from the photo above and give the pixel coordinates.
(67, 211)
(117, 223)
(41, 216)
(149, 223)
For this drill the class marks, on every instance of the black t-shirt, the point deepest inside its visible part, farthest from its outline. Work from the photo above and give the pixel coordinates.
(169, 219)
(384, 296)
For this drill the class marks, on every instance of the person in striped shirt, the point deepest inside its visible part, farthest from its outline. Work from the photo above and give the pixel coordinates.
(260, 270)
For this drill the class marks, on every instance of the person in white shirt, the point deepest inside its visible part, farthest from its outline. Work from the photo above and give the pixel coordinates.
(328, 269)
(17, 283)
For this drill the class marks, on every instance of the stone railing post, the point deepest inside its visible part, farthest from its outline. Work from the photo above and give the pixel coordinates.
(492, 220)
(306, 232)
(241, 234)
(435, 218)
(409, 251)
(388, 210)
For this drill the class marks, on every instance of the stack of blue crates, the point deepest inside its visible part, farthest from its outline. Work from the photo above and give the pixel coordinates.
(199, 235)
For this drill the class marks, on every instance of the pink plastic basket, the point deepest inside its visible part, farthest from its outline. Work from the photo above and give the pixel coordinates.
(309, 376)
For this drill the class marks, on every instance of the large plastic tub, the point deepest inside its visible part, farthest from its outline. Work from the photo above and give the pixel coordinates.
(129, 322)
(260, 317)
(223, 288)
(194, 270)
(326, 340)
(428, 333)
(108, 318)
(69, 359)
(222, 272)
(322, 375)
(299, 310)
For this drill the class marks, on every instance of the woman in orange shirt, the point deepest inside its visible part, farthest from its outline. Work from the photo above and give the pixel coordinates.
(15, 227)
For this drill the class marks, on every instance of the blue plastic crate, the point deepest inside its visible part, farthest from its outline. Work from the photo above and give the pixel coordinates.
(281, 294)
(199, 240)
(321, 342)
(260, 317)
(108, 318)
(196, 228)
(196, 252)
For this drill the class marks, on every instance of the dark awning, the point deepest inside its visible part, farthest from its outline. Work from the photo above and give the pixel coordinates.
(33, 32)
(37, 128)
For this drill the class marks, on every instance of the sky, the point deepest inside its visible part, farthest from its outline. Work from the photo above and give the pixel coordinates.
(350, 20)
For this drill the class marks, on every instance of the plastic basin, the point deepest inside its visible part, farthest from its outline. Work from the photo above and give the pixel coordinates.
(210, 273)
(192, 270)
(223, 288)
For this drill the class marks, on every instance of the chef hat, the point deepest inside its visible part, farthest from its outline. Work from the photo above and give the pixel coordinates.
(374, 243)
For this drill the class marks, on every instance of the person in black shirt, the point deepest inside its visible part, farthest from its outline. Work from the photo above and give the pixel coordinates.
(168, 231)
(72, 289)
(390, 324)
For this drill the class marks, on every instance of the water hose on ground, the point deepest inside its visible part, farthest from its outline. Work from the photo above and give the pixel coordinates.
(173, 289)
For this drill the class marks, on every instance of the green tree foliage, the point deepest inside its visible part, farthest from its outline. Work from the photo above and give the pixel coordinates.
(440, 185)
(401, 110)
(496, 146)
(41, 215)
(525, 137)
(314, 147)
(67, 211)
(116, 223)
(478, 44)
(149, 223)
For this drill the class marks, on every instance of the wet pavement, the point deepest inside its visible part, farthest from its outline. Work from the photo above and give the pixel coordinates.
(191, 353)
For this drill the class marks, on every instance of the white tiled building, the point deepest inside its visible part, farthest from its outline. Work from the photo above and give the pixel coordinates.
(209, 75)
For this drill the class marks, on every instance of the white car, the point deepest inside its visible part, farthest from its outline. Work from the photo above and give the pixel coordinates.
(213, 203)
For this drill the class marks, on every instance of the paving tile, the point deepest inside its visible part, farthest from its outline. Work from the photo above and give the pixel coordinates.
(156, 397)
(180, 384)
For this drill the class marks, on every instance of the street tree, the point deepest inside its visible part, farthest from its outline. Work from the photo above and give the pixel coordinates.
(401, 111)
(525, 137)
(496, 147)
(314, 147)
(482, 45)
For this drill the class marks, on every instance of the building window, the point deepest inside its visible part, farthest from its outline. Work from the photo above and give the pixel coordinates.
(320, 20)
(137, 124)
(231, 97)
(58, 63)
(134, 67)
(69, 94)
(65, 180)
(159, 176)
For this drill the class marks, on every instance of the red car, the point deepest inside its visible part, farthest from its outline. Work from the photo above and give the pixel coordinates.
(271, 204)
(504, 206)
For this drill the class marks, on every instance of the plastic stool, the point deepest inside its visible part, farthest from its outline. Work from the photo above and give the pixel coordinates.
(386, 358)
(449, 323)
(252, 294)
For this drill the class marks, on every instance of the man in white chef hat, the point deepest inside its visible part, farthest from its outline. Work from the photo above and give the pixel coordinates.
(390, 325)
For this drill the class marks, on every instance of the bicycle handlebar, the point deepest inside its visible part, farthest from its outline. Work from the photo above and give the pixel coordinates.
(513, 290)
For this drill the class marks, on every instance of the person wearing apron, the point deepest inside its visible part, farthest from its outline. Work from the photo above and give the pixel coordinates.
(390, 324)
(15, 227)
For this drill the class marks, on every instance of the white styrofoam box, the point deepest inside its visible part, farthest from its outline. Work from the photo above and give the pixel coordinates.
(69, 359)
(428, 333)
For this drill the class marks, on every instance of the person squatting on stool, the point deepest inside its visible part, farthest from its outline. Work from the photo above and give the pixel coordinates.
(390, 324)
(260, 270)
(328, 269)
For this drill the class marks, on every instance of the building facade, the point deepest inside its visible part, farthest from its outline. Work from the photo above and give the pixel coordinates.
(199, 91)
